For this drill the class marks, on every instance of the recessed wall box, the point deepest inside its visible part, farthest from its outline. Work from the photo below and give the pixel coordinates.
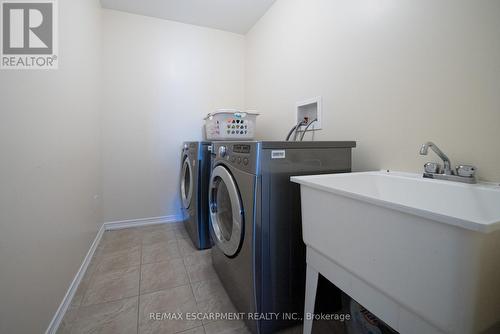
(310, 109)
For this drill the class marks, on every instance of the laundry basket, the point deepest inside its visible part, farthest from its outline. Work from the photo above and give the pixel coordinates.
(229, 124)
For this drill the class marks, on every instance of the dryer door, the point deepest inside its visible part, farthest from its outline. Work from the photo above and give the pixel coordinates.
(226, 211)
(187, 182)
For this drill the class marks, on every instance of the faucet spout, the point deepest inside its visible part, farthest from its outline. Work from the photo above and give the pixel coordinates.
(447, 164)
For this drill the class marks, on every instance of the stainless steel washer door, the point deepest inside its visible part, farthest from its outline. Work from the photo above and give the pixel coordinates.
(226, 211)
(187, 183)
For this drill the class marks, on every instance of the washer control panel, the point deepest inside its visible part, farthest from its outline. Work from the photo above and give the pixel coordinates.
(240, 155)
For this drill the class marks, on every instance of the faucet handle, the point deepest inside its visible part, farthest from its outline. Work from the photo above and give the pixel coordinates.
(466, 171)
(432, 168)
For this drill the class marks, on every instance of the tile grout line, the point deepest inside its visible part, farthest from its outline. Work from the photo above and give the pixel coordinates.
(140, 282)
(109, 301)
(163, 289)
(95, 273)
(95, 257)
(192, 291)
(190, 329)
(164, 261)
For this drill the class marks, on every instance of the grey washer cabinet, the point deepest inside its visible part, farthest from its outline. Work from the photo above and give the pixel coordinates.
(255, 223)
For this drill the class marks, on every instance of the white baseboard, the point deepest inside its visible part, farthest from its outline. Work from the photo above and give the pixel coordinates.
(109, 226)
(66, 302)
(118, 225)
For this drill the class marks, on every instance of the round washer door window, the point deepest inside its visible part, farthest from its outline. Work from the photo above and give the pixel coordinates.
(225, 211)
(186, 183)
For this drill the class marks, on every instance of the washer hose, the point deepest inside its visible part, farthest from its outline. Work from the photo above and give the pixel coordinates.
(307, 127)
(290, 133)
(293, 129)
(297, 127)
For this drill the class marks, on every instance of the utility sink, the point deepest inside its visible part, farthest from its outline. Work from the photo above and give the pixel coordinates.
(421, 254)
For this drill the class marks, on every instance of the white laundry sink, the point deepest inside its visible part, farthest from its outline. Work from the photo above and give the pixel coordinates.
(422, 254)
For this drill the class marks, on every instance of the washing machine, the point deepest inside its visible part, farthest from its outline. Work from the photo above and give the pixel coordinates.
(195, 174)
(256, 228)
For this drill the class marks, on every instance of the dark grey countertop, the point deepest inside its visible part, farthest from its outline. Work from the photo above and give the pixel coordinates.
(306, 144)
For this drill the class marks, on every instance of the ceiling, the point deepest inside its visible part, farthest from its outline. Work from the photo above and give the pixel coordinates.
(237, 16)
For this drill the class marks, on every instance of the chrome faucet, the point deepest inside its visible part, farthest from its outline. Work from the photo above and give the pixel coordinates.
(432, 170)
(447, 163)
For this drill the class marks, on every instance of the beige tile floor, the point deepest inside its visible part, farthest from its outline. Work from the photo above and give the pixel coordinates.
(139, 271)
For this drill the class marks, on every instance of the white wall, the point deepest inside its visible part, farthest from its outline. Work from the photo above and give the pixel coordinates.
(49, 172)
(160, 79)
(393, 74)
